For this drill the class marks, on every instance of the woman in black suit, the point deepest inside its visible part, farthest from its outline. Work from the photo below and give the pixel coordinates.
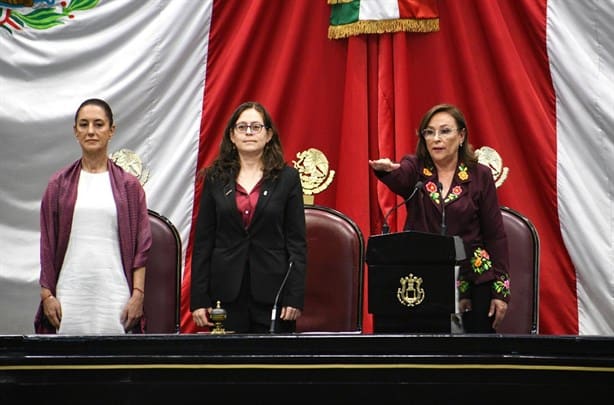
(250, 230)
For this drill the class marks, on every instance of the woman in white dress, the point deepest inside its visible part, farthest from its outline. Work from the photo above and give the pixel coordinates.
(95, 238)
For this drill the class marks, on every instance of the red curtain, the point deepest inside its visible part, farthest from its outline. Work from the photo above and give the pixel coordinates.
(361, 98)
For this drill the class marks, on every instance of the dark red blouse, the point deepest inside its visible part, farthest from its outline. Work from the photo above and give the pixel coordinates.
(246, 202)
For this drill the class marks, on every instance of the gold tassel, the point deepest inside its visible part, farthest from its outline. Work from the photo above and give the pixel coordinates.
(383, 26)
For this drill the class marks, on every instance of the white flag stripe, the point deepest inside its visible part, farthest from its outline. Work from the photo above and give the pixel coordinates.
(148, 60)
(581, 56)
(378, 10)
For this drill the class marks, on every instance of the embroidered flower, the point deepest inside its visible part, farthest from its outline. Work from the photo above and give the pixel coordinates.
(463, 172)
(433, 191)
(427, 172)
(463, 286)
(454, 194)
(502, 285)
(480, 262)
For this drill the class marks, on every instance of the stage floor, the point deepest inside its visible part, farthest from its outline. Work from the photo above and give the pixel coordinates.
(310, 368)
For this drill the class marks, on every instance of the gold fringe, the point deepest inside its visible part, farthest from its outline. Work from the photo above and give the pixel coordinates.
(383, 26)
(339, 1)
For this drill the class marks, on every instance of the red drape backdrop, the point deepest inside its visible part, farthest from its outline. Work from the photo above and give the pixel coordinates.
(362, 97)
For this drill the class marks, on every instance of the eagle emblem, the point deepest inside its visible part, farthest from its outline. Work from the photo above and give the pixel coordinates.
(490, 158)
(314, 171)
(132, 163)
(16, 15)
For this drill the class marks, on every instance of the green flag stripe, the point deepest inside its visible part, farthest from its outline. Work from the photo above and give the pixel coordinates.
(344, 13)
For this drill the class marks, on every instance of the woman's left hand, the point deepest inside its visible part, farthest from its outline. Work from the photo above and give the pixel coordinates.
(289, 313)
(498, 308)
(133, 311)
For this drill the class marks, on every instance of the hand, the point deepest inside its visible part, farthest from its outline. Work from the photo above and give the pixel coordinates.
(464, 305)
(53, 311)
(498, 308)
(289, 313)
(133, 311)
(383, 165)
(201, 317)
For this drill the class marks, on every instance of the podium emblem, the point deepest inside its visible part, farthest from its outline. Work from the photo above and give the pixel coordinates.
(411, 292)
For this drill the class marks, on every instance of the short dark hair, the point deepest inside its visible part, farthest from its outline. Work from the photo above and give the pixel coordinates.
(100, 103)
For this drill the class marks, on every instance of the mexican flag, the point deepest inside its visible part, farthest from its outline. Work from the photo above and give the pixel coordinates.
(355, 17)
(532, 77)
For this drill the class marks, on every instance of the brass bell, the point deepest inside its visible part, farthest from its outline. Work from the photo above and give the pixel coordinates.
(218, 316)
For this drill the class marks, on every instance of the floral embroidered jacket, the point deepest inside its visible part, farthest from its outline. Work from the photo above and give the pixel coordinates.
(472, 212)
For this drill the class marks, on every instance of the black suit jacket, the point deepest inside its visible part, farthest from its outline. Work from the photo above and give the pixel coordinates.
(224, 248)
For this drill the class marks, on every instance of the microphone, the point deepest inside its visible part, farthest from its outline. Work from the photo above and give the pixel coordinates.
(385, 226)
(443, 208)
(275, 304)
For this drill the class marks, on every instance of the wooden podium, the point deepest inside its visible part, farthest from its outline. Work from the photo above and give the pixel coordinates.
(412, 282)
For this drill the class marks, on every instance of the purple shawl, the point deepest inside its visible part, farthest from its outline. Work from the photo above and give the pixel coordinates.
(57, 207)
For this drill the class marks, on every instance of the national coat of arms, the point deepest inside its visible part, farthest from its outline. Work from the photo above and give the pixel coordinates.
(490, 158)
(132, 163)
(314, 171)
(16, 15)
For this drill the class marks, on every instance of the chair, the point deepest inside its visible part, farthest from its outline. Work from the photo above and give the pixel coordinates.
(523, 240)
(335, 261)
(163, 277)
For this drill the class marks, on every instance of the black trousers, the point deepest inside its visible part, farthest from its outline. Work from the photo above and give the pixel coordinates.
(246, 315)
(477, 320)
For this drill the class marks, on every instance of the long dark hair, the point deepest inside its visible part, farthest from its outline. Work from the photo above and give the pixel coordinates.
(227, 164)
(466, 153)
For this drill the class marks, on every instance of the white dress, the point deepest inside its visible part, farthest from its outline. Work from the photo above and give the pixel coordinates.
(92, 287)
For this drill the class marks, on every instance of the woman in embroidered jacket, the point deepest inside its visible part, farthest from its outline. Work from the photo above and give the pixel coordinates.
(95, 237)
(453, 180)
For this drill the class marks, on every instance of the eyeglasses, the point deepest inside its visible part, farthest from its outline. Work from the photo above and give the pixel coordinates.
(254, 127)
(443, 132)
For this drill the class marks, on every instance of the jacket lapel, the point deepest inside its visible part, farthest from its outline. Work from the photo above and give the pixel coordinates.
(266, 190)
(229, 199)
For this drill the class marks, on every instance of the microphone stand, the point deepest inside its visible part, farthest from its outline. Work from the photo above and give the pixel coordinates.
(443, 209)
(385, 226)
(275, 304)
